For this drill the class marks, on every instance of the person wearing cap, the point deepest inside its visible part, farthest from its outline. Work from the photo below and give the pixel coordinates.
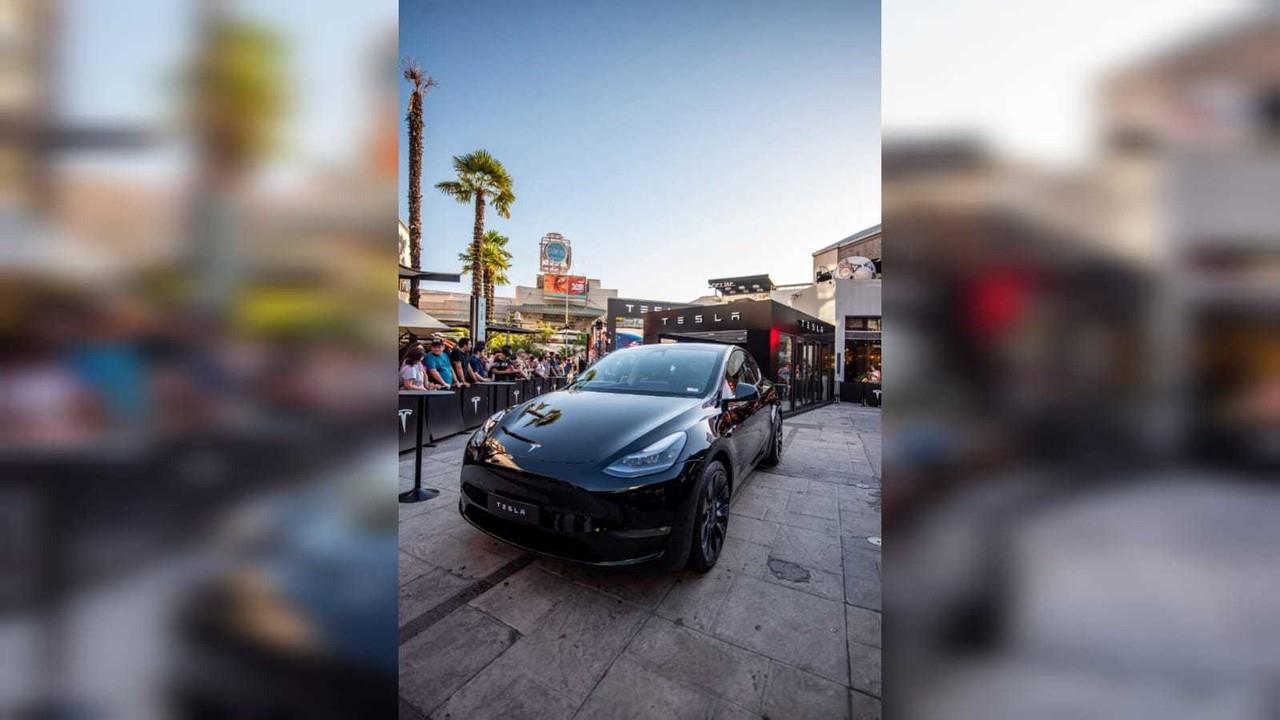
(437, 364)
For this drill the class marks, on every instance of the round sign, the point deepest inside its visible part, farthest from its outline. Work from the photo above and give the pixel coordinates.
(557, 252)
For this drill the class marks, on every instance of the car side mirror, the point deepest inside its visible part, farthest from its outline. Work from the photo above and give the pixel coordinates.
(744, 393)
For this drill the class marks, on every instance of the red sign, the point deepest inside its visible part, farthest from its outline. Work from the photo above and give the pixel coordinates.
(562, 285)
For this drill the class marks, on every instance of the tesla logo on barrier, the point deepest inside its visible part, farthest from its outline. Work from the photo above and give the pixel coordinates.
(475, 404)
(404, 417)
(517, 394)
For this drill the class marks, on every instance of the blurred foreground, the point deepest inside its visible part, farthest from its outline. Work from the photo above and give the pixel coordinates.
(197, 485)
(1082, 423)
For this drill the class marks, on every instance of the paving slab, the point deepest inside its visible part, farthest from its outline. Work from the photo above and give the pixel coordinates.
(809, 548)
(645, 587)
(442, 658)
(785, 624)
(575, 643)
(728, 711)
(821, 506)
(505, 695)
(631, 691)
(426, 591)
(804, 696)
(864, 668)
(863, 625)
(863, 706)
(743, 557)
(760, 532)
(693, 658)
(695, 600)
(468, 555)
(525, 598)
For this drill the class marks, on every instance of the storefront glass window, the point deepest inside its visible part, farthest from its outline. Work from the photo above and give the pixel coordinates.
(782, 361)
(861, 323)
(862, 361)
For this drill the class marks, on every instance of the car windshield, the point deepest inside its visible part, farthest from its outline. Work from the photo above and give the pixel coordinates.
(654, 370)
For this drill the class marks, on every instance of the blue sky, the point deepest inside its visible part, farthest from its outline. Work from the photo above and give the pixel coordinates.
(671, 142)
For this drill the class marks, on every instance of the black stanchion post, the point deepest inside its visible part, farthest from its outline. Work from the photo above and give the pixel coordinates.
(418, 493)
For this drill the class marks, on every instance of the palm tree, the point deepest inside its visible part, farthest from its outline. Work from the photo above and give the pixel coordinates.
(237, 95)
(482, 180)
(495, 261)
(422, 83)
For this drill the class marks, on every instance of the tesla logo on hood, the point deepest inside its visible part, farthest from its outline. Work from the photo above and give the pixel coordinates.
(404, 418)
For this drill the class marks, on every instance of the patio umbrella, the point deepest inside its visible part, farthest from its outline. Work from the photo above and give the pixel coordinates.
(418, 322)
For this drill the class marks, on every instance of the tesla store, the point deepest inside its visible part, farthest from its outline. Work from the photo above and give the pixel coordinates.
(795, 350)
(625, 319)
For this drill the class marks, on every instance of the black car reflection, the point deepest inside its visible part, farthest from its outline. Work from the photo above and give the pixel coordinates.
(633, 462)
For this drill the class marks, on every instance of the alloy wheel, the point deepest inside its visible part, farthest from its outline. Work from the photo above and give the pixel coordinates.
(715, 514)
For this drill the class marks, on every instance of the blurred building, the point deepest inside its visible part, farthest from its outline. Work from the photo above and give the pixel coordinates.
(1192, 161)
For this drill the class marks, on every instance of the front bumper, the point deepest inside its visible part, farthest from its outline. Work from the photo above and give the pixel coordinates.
(615, 527)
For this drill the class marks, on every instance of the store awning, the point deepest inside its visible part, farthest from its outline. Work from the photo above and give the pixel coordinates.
(496, 328)
(408, 273)
(416, 321)
(574, 310)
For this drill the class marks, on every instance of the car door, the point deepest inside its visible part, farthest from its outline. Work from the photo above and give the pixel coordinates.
(735, 417)
(761, 418)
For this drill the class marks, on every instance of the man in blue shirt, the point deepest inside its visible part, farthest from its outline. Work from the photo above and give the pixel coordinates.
(438, 364)
(479, 369)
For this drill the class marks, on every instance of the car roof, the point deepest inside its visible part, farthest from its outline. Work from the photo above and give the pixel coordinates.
(708, 346)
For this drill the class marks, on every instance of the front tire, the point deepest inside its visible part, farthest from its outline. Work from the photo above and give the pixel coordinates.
(711, 521)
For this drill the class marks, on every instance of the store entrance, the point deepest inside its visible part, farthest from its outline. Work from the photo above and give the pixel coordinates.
(813, 367)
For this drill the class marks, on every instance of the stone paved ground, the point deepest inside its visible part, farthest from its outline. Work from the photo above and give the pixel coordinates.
(787, 625)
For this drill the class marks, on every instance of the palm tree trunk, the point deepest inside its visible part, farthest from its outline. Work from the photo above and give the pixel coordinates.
(477, 251)
(415, 191)
(488, 297)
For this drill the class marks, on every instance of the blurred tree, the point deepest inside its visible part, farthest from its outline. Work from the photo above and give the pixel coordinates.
(236, 99)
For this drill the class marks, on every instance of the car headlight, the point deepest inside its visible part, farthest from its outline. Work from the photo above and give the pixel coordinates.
(478, 437)
(655, 458)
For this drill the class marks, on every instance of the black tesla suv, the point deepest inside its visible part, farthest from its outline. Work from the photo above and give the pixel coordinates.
(633, 462)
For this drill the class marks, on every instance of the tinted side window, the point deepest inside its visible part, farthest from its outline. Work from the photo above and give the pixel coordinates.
(751, 372)
(736, 367)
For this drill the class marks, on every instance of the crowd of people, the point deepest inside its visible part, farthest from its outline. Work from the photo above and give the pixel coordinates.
(440, 364)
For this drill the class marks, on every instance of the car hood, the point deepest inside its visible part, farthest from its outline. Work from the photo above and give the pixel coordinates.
(583, 426)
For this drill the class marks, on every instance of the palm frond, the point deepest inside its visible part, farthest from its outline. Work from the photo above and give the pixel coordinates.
(456, 190)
